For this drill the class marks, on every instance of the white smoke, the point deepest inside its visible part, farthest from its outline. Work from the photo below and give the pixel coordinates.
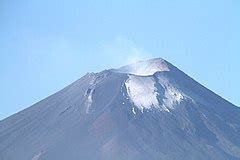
(122, 51)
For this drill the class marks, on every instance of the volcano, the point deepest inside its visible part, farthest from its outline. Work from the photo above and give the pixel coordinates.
(149, 110)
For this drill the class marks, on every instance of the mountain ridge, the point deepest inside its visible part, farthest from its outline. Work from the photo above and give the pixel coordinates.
(128, 114)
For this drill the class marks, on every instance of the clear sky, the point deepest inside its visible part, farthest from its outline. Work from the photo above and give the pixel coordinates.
(47, 44)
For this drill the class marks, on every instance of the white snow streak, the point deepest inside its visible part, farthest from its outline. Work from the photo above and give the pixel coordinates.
(37, 156)
(89, 100)
(133, 110)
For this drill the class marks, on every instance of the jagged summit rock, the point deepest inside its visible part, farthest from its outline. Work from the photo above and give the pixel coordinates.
(146, 110)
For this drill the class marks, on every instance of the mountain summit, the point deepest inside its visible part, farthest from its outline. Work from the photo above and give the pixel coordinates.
(149, 110)
(145, 68)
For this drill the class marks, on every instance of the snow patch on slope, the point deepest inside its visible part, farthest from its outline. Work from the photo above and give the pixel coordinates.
(172, 95)
(142, 92)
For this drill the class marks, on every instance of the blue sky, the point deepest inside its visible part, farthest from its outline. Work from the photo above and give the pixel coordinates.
(45, 45)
